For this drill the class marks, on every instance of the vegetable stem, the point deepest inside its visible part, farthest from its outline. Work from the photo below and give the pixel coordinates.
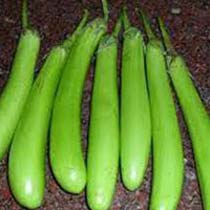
(147, 25)
(71, 38)
(166, 38)
(117, 27)
(105, 10)
(25, 21)
(126, 21)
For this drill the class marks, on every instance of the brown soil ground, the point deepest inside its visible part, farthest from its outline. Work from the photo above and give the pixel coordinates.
(190, 31)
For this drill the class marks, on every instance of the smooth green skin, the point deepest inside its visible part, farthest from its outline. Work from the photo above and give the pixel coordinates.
(66, 156)
(18, 86)
(198, 123)
(103, 145)
(27, 154)
(135, 113)
(168, 164)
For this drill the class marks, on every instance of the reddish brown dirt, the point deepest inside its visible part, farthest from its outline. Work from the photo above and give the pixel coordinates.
(190, 31)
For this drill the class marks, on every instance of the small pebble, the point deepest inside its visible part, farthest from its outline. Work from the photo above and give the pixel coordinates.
(9, 20)
(175, 11)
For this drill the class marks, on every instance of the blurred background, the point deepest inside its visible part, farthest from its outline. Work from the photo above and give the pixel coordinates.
(189, 25)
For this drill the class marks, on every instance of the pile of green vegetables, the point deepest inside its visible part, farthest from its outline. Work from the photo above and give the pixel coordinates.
(121, 125)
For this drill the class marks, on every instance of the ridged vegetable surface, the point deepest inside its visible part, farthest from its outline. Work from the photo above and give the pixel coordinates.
(65, 146)
(168, 162)
(103, 145)
(135, 126)
(27, 154)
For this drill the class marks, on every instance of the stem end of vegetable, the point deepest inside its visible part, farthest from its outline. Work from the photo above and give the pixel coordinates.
(166, 37)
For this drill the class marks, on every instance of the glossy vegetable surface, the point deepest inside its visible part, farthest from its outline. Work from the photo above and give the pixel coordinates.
(168, 162)
(103, 149)
(65, 146)
(195, 114)
(15, 93)
(27, 154)
(135, 129)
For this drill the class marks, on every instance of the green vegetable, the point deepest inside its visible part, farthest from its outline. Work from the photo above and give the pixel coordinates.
(103, 148)
(135, 114)
(18, 86)
(195, 114)
(168, 164)
(70, 40)
(27, 154)
(105, 10)
(65, 146)
(29, 172)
